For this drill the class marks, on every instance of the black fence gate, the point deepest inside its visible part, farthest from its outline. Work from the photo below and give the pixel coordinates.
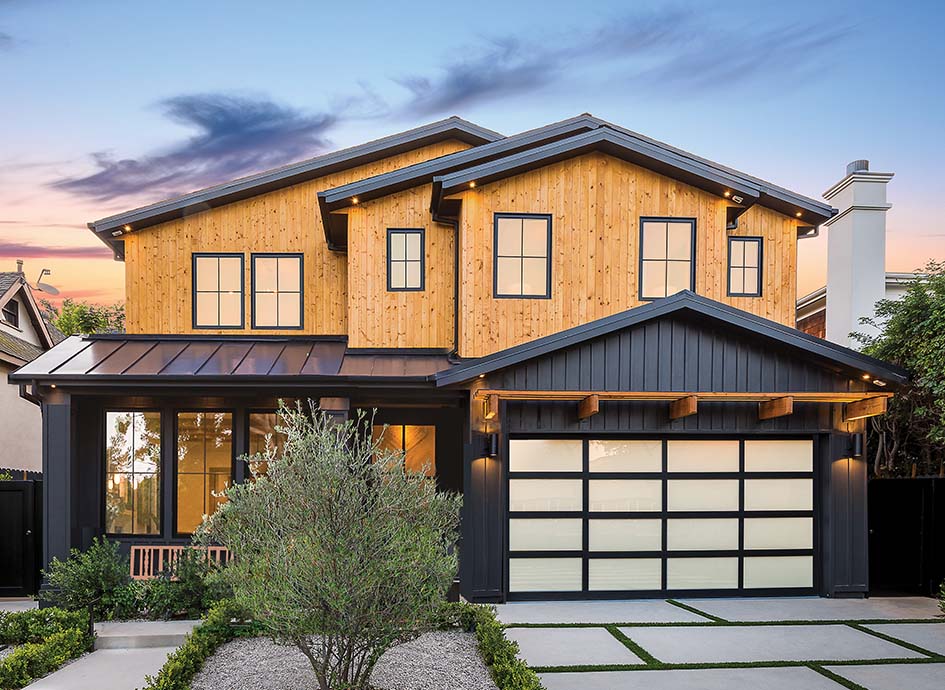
(907, 535)
(20, 537)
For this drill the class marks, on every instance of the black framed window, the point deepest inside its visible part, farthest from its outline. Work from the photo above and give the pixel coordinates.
(744, 266)
(204, 465)
(11, 313)
(667, 256)
(522, 261)
(405, 259)
(218, 290)
(277, 290)
(132, 472)
(416, 442)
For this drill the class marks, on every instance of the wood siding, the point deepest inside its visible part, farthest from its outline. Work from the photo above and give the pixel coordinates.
(158, 282)
(596, 202)
(377, 317)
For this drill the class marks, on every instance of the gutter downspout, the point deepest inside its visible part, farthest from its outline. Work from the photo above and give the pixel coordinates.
(31, 397)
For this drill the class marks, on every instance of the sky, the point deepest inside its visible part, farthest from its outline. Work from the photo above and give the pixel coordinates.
(106, 106)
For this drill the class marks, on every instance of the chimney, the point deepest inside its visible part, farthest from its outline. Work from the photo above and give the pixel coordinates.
(19, 266)
(856, 250)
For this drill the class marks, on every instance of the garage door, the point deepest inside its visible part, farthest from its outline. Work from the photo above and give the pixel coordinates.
(612, 518)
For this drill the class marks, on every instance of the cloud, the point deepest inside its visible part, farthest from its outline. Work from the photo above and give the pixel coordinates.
(235, 136)
(6, 41)
(23, 250)
(40, 224)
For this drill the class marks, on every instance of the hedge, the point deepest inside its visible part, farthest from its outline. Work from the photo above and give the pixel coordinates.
(45, 639)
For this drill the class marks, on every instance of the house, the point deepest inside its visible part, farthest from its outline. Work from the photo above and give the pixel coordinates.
(24, 336)
(586, 331)
(812, 308)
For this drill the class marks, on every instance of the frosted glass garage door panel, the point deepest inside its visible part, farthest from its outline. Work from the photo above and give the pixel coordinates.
(545, 494)
(702, 534)
(779, 456)
(702, 494)
(625, 495)
(625, 456)
(545, 534)
(617, 574)
(779, 533)
(544, 574)
(779, 571)
(702, 573)
(540, 455)
(702, 456)
(779, 494)
(625, 535)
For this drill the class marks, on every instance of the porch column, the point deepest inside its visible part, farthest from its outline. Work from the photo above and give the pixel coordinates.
(844, 525)
(57, 476)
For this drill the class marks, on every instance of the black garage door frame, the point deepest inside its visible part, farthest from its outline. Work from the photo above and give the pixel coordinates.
(663, 554)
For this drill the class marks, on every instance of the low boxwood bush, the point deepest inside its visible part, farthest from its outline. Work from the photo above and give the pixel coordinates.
(45, 639)
(36, 625)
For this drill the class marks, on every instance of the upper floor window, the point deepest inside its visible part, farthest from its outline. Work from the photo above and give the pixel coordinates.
(667, 262)
(277, 290)
(11, 313)
(405, 265)
(522, 255)
(744, 266)
(218, 290)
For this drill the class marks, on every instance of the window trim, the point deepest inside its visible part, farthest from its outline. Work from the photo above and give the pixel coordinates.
(728, 272)
(495, 254)
(252, 277)
(423, 259)
(692, 246)
(15, 323)
(175, 458)
(193, 289)
(104, 459)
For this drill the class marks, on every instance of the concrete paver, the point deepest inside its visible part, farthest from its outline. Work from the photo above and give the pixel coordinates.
(893, 676)
(140, 634)
(817, 608)
(930, 636)
(570, 647)
(17, 604)
(719, 644)
(106, 669)
(638, 611)
(792, 678)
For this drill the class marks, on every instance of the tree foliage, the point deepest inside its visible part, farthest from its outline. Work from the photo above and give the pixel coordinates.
(911, 334)
(337, 549)
(76, 317)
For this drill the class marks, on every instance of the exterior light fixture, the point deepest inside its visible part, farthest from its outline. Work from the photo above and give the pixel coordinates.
(354, 200)
(737, 199)
(877, 382)
(127, 228)
(52, 385)
(117, 233)
(727, 194)
(866, 377)
(855, 449)
(482, 376)
(798, 214)
(472, 185)
(490, 445)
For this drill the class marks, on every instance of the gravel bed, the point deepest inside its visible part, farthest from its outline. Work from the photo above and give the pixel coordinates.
(434, 661)
(6, 651)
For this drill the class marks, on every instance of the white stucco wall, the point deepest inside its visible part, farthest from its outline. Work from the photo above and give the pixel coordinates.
(21, 428)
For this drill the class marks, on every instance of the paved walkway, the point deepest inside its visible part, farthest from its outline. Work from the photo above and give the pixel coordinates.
(17, 604)
(801, 643)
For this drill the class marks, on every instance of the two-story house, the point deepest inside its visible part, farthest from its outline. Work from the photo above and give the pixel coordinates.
(587, 332)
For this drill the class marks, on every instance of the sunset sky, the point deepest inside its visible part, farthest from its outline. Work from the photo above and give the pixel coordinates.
(106, 106)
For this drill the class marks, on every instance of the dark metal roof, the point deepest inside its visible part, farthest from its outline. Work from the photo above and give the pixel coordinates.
(684, 301)
(231, 359)
(252, 185)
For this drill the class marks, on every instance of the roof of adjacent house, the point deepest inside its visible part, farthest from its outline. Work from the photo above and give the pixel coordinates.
(8, 279)
(13, 283)
(16, 350)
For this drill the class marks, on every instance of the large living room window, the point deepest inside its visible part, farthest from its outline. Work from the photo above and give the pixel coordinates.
(405, 267)
(522, 255)
(132, 472)
(204, 465)
(744, 266)
(277, 290)
(667, 264)
(218, 290)
(417, 442)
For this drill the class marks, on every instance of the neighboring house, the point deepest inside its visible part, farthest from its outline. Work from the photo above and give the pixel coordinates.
(24, 336)
(812, 308)
(587, 332)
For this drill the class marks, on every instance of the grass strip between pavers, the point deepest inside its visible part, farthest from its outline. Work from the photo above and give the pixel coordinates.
(693, 609)
(662, 666)
(845, 682)
(895, 640)
(644, 655)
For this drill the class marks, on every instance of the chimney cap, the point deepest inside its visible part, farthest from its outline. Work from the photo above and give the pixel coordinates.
(19, 265)
(860, 165)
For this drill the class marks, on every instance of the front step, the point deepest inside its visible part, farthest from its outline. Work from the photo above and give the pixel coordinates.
(141, 634)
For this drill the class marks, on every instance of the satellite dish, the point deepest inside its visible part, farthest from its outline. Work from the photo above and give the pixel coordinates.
(44, 287)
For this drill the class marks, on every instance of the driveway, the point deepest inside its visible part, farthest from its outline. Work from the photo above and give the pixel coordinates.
(797, 643)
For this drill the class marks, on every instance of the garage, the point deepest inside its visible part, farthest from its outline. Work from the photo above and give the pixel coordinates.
(602, 517)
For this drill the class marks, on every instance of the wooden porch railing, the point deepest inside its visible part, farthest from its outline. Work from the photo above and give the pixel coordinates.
(149, 561)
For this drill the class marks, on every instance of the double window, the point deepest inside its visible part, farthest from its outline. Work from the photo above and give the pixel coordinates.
(667, 248)
(744, 266)
(405, 259)
(218, 290)
(277, 290)
(522, 255)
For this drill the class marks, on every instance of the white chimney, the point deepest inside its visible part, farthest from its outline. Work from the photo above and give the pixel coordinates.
(856, 250)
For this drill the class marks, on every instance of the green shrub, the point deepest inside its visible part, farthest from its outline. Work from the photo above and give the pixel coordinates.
(47, 639)
(126, 601)
(36, 625)
(189, 589)
(95, 576)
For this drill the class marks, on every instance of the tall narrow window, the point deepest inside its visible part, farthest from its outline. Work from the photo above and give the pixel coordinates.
(11, 313)
(522, 255)
(263, 434)
(204, 465)
(666, 256)
(218, 290)
(418, 444)
(744, 266)
(277, 290)
(405, 267)
(133, 472)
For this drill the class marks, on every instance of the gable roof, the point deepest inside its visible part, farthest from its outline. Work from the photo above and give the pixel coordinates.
(16, 350)
(14, 283)
(681, 302)
(110, 229)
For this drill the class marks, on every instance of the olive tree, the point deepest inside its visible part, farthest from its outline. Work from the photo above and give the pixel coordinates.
(337, 548)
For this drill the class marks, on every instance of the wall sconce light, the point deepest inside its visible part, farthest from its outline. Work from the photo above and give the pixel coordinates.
(855, 449)
(490, 446)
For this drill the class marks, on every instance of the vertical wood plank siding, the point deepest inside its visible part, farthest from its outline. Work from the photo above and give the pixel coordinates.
(597, 202)
(158, 266)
